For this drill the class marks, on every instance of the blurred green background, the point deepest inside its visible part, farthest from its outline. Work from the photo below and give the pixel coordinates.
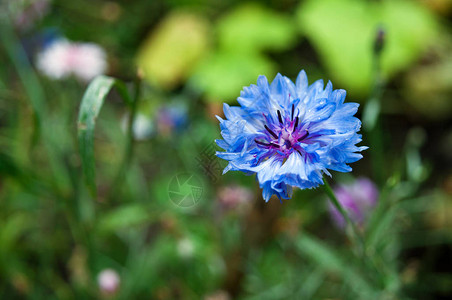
(162, 218)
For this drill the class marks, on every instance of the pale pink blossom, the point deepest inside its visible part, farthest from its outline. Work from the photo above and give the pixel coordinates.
(234, 195)
(64, 58)
(108, 281)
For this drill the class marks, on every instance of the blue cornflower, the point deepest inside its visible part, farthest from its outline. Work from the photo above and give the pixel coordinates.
(290, 134)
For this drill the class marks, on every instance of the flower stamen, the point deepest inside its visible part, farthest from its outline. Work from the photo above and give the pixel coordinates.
(271, 144)
(279, 117)
(261, 143)
(304, 136)
(271, 132)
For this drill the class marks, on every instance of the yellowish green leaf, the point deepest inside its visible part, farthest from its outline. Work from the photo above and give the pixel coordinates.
(223, 75)
(252, 27)
(174, 48)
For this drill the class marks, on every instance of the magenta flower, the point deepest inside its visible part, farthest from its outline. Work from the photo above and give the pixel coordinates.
(358, 200)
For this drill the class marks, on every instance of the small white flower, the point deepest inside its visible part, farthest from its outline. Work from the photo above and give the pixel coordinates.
(64, 58)
(108, 281)
(143, 126)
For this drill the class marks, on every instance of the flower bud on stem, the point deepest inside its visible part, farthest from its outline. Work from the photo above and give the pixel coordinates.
(379, 42)
(372, 109)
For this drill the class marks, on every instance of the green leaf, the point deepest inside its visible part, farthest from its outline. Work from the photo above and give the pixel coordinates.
(92, 102)
(381, 226)
(12, 228)
(311, 284)
(222, 75)
(251, 28)
(123, 217)
(329, 260)
(343, 33)
(28, 77)
(37, 100)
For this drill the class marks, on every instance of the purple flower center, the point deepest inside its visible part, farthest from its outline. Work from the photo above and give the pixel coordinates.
(284, 135)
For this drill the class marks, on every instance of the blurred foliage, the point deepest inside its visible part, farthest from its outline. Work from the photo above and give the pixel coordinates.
(242, 34)
(252, 28)
(222, 74)
(56, 236)
(343, 32)
(434, 82)
(173, 49)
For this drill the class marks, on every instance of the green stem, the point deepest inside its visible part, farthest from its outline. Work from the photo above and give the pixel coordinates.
(128, 153)
(133, 113)
(355, 236)
(372, 111)
(354, 233)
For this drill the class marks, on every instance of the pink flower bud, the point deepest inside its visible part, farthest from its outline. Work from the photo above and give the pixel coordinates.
(108, 281)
